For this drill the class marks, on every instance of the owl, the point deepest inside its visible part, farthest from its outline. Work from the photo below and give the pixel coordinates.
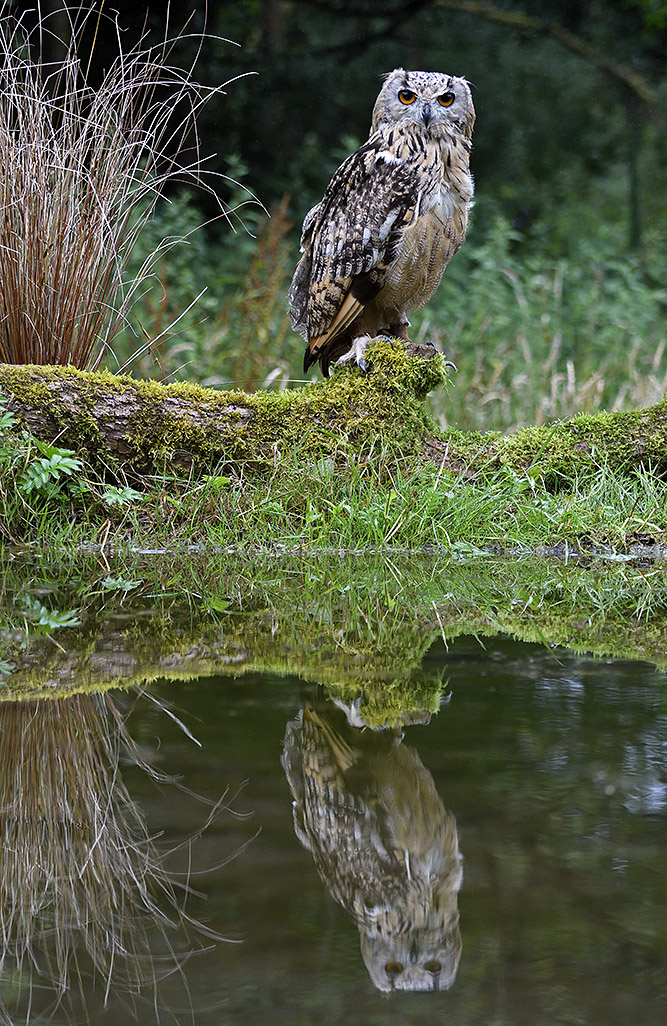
(391, 219)
(383, 844)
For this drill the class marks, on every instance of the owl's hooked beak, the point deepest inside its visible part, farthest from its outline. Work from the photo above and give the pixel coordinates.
(426, 114)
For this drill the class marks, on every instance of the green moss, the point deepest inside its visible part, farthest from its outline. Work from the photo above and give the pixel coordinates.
(383, 680)
(620, 440)
(360, 628)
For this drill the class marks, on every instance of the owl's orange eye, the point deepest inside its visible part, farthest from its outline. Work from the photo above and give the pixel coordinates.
(446, 100)
(406, 96)
(393, 968)
(432, 967)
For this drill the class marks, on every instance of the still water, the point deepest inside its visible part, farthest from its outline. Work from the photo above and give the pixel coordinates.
(503, 862)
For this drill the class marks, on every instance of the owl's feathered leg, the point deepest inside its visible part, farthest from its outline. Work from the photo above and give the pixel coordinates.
(399, 329)
(357, 352)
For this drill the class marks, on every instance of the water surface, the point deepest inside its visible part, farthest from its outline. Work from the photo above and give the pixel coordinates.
(517, 845)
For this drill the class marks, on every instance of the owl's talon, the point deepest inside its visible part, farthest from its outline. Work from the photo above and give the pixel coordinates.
(448, 362)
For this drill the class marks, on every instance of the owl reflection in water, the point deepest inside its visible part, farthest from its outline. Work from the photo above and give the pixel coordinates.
(384, 845)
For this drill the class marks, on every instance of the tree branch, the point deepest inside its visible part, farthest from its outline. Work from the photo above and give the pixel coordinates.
(529, 23)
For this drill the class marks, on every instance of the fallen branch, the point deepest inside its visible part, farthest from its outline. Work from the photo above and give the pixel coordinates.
(138, 427)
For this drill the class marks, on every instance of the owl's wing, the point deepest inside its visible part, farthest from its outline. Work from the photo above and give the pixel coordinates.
(350, 238)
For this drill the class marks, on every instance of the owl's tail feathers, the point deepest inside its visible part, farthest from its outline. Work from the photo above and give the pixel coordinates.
(346, 324)
(326, 354)
(342, 752)
(309, 358)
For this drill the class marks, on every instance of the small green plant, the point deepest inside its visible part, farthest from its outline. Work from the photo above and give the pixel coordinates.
(33, 467)
(7, 418)
(48, 472)
(113, 495)
(45, 488)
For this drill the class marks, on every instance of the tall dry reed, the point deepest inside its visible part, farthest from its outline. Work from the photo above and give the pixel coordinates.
(82, 170)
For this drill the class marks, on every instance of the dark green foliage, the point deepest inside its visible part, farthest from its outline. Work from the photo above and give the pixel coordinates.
(546, 310)
(547, 116)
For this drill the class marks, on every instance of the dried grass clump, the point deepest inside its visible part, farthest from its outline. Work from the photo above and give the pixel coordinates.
(82, 170)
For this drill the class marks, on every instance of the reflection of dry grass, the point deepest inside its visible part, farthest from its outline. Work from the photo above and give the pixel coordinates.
(83, 885)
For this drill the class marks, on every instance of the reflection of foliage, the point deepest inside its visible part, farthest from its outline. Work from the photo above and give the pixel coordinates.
(42, 619)
(384, 702)
(565, 803)
(360, 626)
(83, 886)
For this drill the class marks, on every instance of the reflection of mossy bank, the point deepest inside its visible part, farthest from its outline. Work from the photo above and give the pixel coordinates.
(360, 627)
(385, 672)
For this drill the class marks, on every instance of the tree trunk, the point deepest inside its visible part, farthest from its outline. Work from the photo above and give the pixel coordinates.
(138, 427)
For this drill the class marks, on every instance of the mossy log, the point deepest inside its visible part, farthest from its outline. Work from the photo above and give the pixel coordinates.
(121, 423)
(144, 426)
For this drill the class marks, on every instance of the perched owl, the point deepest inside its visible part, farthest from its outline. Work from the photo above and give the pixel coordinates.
(391, 219)
(384, 846)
